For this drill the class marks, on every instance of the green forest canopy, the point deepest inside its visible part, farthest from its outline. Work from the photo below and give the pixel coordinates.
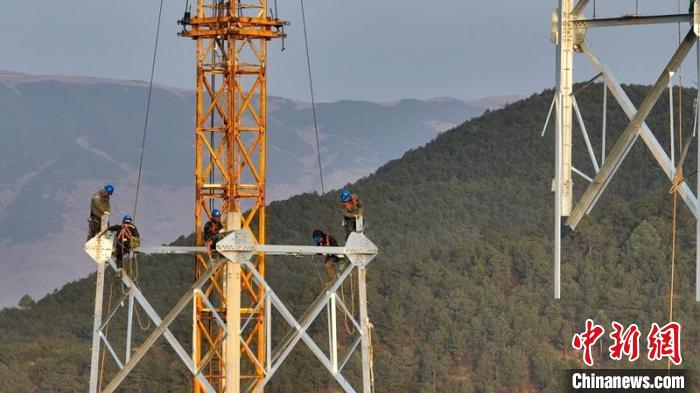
(461, 294)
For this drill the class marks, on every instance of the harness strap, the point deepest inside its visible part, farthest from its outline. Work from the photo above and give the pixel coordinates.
(124, 234)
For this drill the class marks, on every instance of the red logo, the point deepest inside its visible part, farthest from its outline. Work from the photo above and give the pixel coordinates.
(626, 342)
(662, 342)
(587, 339)
(665, 342)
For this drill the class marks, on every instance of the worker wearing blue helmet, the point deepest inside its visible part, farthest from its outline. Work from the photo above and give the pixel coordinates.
(126, 239)
(353, 212)
(211, 233)
(99, 204)
(325, 240)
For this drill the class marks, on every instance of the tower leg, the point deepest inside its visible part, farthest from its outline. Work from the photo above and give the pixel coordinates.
(563, 184)
(99, 294)
(697, 193)
(233, 323)
(97, 321)
(557, 205)
(364, 325)
(565, 75)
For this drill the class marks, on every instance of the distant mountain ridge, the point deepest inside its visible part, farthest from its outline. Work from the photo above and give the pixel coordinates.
(65, 136)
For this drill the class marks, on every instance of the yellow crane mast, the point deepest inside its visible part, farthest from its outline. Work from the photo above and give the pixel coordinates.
(230, 170)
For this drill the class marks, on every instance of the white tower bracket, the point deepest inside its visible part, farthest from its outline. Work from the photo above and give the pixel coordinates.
(239, 247)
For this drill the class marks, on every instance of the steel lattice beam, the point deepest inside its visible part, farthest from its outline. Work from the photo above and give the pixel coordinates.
(633, 20)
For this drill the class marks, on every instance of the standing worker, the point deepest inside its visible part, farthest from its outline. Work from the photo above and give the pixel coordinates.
(211, 231)
(353, 220)
(99, 204)
(323, 240)
(126, 239)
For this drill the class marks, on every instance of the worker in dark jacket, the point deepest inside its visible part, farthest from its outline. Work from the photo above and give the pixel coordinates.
(211, 231)
(99, 204)
(126, 238)
(324, 240)
(353, 220)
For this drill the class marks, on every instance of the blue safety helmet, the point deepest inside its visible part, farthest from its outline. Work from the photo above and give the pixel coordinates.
(127, 218)
(109, 188)
(318, 236)
(345, 195)
(216, 213)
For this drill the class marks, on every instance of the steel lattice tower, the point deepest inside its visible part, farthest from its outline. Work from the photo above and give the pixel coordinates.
(230, 144)
(232, 302)
(569, 26)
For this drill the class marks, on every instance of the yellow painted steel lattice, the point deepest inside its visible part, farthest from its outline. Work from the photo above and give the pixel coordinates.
(230, 145)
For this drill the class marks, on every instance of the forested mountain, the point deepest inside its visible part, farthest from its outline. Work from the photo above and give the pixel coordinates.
(461, 294)
(64, 137)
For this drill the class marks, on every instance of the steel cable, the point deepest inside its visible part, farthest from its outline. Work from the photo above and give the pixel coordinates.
(313, 99)
(148, 108)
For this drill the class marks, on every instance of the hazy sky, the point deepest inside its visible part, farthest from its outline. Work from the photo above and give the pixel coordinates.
(361, 49)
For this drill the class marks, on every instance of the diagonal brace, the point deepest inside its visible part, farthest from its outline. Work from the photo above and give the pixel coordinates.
(301, 333)
(629, 135)
(647, 136)
(161, 329)
(135, 292)
(578, 8)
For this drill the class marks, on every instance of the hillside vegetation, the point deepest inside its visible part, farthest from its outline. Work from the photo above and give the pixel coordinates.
(461, 295)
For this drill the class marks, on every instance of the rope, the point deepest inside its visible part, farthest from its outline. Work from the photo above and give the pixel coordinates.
(134, 267)
(677, 178)
(680, 91)
(594, 7)
(148, 108)
(673, 260)
(350, 328)
(320, 173)
(313, 99)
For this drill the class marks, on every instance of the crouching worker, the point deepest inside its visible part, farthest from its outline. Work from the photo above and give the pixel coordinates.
(211, 231)
(99, 204)
(126, 239)
(353, 220)
(323, 240)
